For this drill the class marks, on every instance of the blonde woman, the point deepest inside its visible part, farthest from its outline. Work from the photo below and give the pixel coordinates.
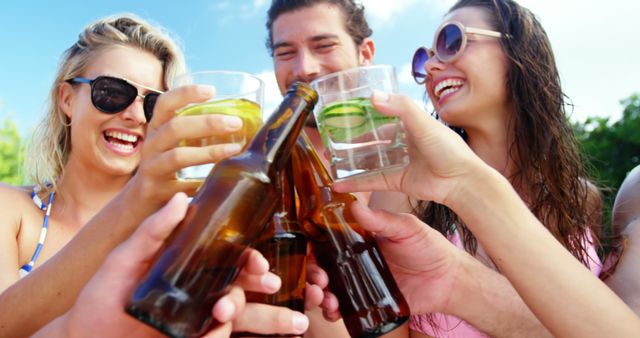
(107, 143)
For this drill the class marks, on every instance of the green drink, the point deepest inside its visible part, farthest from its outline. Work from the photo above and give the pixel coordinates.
(349, 120)
(237, 94)
(247, 110)
(359, 138)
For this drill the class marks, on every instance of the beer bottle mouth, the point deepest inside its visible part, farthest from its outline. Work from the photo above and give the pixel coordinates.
(305, 91)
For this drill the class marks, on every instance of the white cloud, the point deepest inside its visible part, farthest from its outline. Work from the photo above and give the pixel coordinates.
(384, 12)
(228, 12)
(259, 3)
(596, 51)
(272, 96)
(404, 75)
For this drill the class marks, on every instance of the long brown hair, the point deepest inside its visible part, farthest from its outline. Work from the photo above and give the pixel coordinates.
(549, 172)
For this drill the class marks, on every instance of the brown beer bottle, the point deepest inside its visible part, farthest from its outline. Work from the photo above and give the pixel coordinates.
(370, 301)
(284, 245)
(203, 256)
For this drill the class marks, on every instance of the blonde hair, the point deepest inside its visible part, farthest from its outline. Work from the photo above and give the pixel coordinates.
(51, 141)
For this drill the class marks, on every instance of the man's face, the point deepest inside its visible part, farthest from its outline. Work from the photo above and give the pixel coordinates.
(312, 42)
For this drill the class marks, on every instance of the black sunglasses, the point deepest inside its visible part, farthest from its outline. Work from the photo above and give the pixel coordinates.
(449, 43)
(112, 95)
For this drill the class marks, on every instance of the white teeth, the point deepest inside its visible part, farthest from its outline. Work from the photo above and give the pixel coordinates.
(451, 85)
(447, 91)
(122, 146)
(122, 136)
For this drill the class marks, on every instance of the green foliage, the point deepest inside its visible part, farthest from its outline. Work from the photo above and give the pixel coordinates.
(11, 153)
(612, 149)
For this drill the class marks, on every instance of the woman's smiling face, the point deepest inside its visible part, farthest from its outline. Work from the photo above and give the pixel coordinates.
(474, 86)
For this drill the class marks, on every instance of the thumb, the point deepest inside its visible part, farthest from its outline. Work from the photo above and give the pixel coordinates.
(416, 121)
(392, 226)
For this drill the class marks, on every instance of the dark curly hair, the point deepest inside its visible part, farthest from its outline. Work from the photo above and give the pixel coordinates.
(550, 174)
(355, 21)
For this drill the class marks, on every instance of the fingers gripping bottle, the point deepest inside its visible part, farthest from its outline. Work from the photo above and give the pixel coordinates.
(204, 254)
(371, 303)
(284, 245)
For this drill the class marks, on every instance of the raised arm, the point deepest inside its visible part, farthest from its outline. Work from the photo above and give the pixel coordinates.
(51, 289)
(566, 297)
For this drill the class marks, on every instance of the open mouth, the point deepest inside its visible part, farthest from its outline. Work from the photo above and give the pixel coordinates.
(122, 141)
(447, 87)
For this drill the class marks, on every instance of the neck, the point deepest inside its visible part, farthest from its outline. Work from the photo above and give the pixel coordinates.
(83, 191)
(492, 144)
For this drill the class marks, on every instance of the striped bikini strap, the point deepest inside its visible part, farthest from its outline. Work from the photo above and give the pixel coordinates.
(25, 269)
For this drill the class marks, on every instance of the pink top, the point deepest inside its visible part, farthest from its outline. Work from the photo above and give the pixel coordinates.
(453, 327)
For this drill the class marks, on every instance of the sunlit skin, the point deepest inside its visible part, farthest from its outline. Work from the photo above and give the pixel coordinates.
(308, 43)
(91, 151)
(318, 47)
(482, 101)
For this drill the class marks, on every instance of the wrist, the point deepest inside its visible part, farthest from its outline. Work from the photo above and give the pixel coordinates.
(480, 181)
(466, 286)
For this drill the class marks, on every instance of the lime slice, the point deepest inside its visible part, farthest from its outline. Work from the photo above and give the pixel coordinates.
(346, 120)
(239, 107)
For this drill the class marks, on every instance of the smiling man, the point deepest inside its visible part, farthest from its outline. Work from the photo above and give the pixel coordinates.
(311, 38)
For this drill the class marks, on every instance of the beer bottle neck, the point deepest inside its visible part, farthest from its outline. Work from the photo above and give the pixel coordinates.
(276, 138)
(286, 210)
(317, 170)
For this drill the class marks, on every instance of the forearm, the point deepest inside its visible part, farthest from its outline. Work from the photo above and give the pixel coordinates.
(55, 328)
(486, 300)
(51, 289)
(555, 286)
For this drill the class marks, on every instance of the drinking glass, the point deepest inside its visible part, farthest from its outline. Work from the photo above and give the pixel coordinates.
(238, 94)
(359, 139)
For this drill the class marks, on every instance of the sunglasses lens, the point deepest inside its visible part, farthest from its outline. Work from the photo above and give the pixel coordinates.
(420, 57)
(148, 105)
(449, 42)
(112, 95)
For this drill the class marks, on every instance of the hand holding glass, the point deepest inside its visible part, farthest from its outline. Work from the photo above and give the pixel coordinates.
(359, 139)
(237, 94)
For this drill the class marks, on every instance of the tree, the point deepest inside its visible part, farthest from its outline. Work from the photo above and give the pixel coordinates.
(11, 153)
(612, 149)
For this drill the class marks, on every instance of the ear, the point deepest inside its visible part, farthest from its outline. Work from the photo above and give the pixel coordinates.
(66, 95)
(365, 52)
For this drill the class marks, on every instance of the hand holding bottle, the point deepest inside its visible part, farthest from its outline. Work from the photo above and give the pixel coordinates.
(201, 259)
(99, 306)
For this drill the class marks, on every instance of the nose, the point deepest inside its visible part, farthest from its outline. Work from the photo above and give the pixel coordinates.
(433, 65)
(135, 112)
(307, 67)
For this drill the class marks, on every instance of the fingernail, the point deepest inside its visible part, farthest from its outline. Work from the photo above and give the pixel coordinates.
(271, 281)
(232, 148)
(300, 322)
(380, 97)
(232, 122)
(207, 91)
(228, 309)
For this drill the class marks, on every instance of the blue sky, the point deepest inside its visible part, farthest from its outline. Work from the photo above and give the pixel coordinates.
(230, 34)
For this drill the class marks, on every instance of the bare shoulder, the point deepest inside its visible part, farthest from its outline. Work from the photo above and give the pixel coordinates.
(626, 208)
(625, 280)
(14, 201)
(14, 209)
